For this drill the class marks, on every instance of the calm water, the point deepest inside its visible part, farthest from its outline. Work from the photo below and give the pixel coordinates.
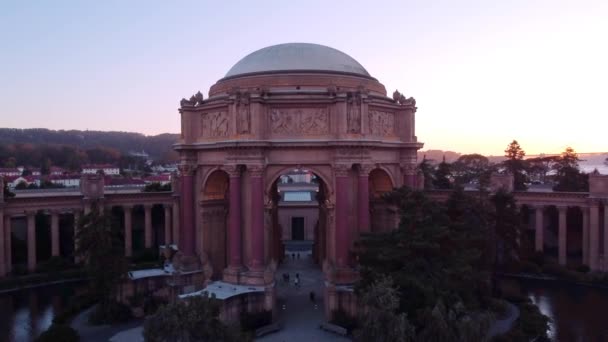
(27, 313)
(578, 313)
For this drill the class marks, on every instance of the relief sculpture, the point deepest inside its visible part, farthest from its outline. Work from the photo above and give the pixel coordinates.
(353, 116)
(381, 123)
(243, 115)
(214, 124)
(299, 121)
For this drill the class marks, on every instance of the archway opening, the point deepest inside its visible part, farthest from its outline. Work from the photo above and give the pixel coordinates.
(382, 218)
(214, 211)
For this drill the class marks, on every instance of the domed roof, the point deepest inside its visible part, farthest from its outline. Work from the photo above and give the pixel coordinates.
(297, 57)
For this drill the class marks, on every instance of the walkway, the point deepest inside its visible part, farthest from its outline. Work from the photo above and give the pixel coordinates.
(299, 317)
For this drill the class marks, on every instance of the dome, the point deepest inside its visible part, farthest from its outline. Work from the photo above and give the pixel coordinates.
(297, 57)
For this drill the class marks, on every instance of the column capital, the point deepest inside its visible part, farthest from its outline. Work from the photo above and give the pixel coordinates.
(127, 206)
(30, 212)
(233, 170)
(186, 169)
(256, 170)
(341, 170)
(562, 207)
(168, 206)
(365, 169)
(147, 206)
(409, 169)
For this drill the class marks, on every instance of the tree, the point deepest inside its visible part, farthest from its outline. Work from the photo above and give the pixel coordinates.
(568, 175)
(539, 167)
(442, 176)
(7, 192)
(380, 320)
(21, 186)
(426, 168)
(508, 227)
(473, 168)
(515, 164)
(190, 320)
(100, 245)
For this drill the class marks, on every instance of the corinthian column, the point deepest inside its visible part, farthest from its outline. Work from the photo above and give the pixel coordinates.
(257, 215)
(585, 212)
(186, 234)
(234, 218)
(363, 199)
(342, 240)
(2, 244)
(54, 233)
(128, 223)
(31, 241)
(167, 208)
(562, 234)
(148, 225)
(539, 229)
(594, 234)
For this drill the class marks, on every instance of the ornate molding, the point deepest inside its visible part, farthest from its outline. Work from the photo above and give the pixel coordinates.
(365, 169)
(214, 124)
(232, 170)
(186, 169)
(409, 169)
(195, 100)
(243, 113)
(309, 121)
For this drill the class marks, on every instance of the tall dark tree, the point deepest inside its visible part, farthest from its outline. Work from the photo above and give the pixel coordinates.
(100, 245)
(508, 227)
(427, 170)
(443, 175)
(516, 165)
(568, 175)
(539, 167)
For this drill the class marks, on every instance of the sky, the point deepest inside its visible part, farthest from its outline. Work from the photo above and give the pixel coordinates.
(483, 72)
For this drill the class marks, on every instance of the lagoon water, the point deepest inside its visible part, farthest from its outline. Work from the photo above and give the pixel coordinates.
(25, 314)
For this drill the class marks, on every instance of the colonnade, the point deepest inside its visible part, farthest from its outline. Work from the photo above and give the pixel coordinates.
(171, 222)
(591, 232)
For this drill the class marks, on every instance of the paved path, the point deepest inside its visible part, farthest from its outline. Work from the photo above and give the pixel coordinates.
(502, 326)
(299, 317)
(98, 333)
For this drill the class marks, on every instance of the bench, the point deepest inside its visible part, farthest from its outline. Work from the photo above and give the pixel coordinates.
(267, 329)
(332, 328)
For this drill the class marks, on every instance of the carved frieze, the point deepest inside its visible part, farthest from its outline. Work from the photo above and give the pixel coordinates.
(381, 123)
(214, 124)
(309, 121)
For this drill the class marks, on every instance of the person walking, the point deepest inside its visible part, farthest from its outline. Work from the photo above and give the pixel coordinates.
(312, 296)
(296, 282)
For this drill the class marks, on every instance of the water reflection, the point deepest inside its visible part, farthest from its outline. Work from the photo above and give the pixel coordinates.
(25, 314)
(577, 312)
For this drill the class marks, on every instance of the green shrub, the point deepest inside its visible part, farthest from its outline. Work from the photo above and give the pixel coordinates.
(343, 319)
(114, 312)
(498, 306)
(146, 255)
(76, 305)
(252, 321)
(529, 267)
(54, 264)
(58, 332)
(583, 269)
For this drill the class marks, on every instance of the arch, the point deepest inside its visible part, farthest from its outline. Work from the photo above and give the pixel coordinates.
(214, 211)
(380, 182)
(215, 185)
(270, 179)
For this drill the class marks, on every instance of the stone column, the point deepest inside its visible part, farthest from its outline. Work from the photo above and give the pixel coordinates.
(128, 222)
(186, 232)
(31, 241)
(585, 212)
(342, 237)
(76, 219)
(234, 218)
(2, 243)
(54, 233)
(257, 216)
(175, 216)
(148, 225)
(539, 231)
(167, 224)
(594, 234)
(363, 199)
(8, 253)
(605, 259)
(562, 234)
(409, 175)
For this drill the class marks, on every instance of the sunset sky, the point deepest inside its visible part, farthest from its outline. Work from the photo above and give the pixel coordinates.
(482, 72)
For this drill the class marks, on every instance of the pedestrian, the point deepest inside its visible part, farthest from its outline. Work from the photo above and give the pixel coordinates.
(298, 255)
(312, 296)
(293, 256)
(296, 282)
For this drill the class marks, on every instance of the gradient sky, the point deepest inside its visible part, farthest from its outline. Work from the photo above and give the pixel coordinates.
(482, 72)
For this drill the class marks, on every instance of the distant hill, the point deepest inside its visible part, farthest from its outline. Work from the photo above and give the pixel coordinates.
(159, 147)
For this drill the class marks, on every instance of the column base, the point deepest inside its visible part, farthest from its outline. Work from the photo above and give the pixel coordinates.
(232, 274)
